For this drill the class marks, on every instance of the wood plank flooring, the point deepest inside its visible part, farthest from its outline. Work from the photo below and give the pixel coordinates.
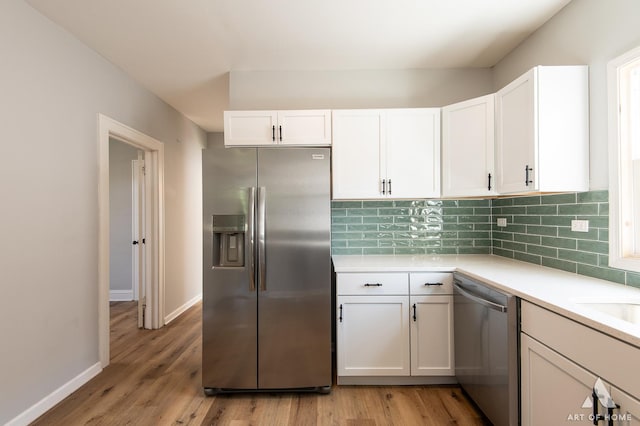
(155, 379)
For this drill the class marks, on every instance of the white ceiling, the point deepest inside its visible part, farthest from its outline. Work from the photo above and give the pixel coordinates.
(182, 50)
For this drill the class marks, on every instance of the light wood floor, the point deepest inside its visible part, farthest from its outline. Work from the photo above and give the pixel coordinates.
(154, 379)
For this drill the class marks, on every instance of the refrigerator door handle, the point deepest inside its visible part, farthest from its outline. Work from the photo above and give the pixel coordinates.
(252, 238)
(262, 264)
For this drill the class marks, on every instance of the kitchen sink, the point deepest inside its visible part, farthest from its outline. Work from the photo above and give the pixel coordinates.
(626, 311)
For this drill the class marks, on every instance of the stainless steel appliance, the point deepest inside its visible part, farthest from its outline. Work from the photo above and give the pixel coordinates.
(486, 328)
(267, 269)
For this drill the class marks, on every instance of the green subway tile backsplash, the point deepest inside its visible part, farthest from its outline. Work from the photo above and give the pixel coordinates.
(411, 227)
(538, 230)
(548, 239)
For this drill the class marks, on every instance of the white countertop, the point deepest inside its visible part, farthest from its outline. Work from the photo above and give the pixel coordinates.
(553, 289)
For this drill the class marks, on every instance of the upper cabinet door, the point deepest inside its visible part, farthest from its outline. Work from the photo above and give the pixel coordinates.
(357, 137)
(259, 128)
(392, 153)
(516, 135)
(250, 128)
(412, 148)
(304, 127)
(468, 148)
(542, 136)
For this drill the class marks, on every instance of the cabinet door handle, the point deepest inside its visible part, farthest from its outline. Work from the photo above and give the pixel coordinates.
(414, 312)
(489, 187)
(595, 416)
(340, 313)
(280, 131)
(273, 133)
(527, 169)
(373, 285)
(389, 186)
(431, 284)
(384, 186)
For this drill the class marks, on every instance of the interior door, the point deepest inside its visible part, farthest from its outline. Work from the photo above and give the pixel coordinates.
(294, 301)
(138, 214)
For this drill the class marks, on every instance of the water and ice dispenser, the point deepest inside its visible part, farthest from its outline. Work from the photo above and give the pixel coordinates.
(228, 240)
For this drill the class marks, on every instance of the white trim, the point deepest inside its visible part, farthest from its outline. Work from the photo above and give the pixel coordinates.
(175, 314)
(121, 295)
(154, 159)
(617, 257)
(49, 401)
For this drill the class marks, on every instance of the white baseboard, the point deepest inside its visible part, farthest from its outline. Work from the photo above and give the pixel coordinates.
(175, 314)
(49, 401)
(120, 295)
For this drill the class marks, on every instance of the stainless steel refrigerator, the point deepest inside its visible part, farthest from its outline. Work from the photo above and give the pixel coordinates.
(267, 269)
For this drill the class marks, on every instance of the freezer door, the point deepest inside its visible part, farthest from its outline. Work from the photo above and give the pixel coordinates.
(294, 296)
(229, 307)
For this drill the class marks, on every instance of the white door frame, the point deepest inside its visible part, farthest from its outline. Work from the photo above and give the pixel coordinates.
(155, 244)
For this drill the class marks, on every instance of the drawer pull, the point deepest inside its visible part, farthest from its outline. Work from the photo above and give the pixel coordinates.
(373, 285)
(430, 284)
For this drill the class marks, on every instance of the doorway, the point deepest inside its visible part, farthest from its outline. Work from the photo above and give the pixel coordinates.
(152, 254)
(126, 222)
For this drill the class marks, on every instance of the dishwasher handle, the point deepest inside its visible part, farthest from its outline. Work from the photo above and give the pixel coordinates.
(491, 305)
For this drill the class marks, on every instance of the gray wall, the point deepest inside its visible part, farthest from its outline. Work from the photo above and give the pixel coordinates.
(52, 89)
(120, 215)
(588, 32)
(356, 89)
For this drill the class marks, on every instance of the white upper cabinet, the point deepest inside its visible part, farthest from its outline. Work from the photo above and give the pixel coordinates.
(296, 127)
(542, 131)
(468, 148)
(386, 153)
(356, 153)
(412, 167)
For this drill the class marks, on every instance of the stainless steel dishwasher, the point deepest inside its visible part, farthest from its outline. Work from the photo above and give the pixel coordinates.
(486, 326)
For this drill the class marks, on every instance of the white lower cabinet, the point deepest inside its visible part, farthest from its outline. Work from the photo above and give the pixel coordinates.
(389, 334)
(432, 336)
(563, 361)
(373, 332)
(554, 389)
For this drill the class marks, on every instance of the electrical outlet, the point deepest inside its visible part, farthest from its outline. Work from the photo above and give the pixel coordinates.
(502, 222)
(580, 225)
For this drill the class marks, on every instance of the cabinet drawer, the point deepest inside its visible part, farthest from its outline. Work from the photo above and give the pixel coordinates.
(371, 284)
(431, 283)
(607, 357)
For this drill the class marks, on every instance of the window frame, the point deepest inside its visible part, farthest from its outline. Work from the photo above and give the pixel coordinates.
(622, 251)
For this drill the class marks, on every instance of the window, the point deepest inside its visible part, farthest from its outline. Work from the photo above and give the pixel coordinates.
(624, 161)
